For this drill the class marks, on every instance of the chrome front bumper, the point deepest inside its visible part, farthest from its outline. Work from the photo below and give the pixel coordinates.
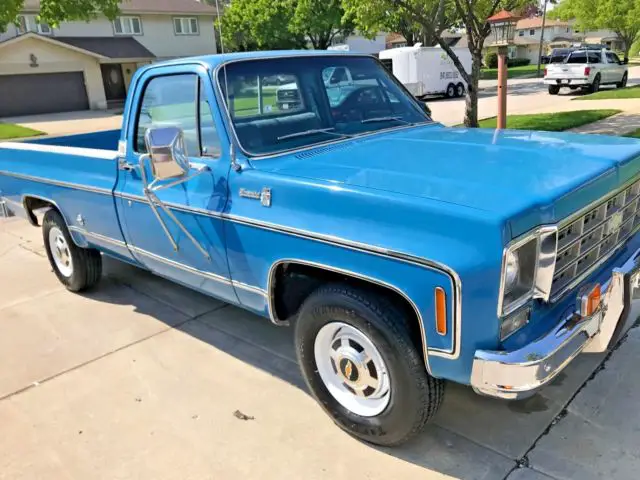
(520, 373)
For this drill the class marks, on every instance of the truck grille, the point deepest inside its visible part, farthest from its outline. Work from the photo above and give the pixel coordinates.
(586, 240)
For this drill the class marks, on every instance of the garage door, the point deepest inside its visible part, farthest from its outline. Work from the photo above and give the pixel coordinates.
(42, 93)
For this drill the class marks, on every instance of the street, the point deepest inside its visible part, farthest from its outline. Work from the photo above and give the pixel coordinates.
(525, 96)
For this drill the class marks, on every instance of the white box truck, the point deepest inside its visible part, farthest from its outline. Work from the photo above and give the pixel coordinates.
(428, 71)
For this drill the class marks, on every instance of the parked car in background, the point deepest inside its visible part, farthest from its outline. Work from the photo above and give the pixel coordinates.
(427, 71)
(404, 253)
(587, 69)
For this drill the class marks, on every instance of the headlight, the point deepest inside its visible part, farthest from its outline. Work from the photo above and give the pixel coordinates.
(527, 269)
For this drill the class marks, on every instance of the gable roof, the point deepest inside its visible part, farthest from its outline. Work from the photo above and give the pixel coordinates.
(149, 6)
(536, 22)
(111, 47)
(51, 40)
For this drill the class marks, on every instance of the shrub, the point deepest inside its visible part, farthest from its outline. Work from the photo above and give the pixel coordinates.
(491, 60)
(518, 62)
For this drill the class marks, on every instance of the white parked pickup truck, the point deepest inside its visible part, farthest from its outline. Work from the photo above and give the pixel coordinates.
(588, 70)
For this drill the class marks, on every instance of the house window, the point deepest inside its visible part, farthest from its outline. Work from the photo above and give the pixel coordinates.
(23, 24)
(44, 29)
(521, 33)
(185, 26)
(127, 26)
(532, 32)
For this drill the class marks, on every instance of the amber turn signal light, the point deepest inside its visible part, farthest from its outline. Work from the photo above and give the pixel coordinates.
(590, 301)
(441, 311)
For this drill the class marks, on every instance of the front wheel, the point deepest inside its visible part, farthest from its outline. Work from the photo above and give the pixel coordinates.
(361, 366)
(554, 89)
(77, 268)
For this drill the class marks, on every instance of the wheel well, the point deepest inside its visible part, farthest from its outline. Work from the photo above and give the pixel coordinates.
(34, 203)
(293, 282)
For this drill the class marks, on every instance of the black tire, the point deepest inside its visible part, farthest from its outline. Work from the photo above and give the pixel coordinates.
(450, 92)
(595, 86)
(415, 396)
(623, 82)
(554, 89)
(460, 90)
(86, 263)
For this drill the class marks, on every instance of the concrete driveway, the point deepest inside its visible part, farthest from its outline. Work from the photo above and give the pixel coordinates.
(141, 378)
(70, 122)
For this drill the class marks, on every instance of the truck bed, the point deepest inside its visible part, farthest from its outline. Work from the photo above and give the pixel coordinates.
(76, 174)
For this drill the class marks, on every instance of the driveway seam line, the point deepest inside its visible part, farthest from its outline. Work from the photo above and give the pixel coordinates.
(524, 461)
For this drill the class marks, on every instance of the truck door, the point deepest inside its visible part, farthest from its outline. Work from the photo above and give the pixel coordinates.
(177, 231)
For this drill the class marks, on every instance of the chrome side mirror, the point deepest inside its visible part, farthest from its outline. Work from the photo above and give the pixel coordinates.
(167, 151)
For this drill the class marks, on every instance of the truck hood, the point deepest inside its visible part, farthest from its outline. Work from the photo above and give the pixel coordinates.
(507, 172)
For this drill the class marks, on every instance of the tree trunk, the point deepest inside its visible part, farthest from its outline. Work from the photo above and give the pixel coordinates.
(471, 98)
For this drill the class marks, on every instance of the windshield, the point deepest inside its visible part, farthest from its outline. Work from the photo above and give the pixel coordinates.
(286, 103)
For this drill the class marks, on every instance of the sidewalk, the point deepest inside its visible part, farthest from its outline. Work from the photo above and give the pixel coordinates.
(620, 124)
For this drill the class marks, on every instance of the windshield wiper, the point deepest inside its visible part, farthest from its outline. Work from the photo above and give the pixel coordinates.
(305, 133)
(385, 119)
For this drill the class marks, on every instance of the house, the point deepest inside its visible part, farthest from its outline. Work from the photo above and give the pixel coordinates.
(88, 65)
(557, 34)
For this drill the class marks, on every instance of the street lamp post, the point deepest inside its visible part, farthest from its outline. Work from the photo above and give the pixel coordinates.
(503, 27)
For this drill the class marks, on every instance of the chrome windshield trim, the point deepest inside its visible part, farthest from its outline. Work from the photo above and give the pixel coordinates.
(251, 156)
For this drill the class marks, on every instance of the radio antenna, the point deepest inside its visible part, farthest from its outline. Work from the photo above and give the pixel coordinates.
(232, 153)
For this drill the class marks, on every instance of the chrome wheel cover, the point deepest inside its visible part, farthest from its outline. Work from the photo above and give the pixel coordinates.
(352, 369)
(60, 252)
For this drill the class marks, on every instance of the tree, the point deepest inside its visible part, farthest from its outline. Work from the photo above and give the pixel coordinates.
(621, 16)
(55, 11)
(260, 25)
(470, 14)
(371, 17)
(320, 21)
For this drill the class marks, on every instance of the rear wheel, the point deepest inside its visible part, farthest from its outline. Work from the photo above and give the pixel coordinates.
(77, 268)
(361, 366)
(623, 82)
(595, 86)
(451, 91)
(554, 89)
(460, 90)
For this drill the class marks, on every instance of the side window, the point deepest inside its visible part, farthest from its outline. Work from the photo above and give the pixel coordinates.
(265, 96)
(594, 57)
(209, 140)
(609, 57)
(615, 57)
(170, 100)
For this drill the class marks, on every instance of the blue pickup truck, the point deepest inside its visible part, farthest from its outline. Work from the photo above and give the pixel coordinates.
(404, 253)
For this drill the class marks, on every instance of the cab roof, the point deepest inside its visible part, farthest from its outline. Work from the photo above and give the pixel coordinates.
(215, 60)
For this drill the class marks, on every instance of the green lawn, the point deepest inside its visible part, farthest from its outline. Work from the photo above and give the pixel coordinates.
(512, 72)
(614, 93)
(9, 131)
(551, 122)
(634, 134)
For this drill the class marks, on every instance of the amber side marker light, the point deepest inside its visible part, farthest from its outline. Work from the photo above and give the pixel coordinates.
(441, 311)
(590, 301)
